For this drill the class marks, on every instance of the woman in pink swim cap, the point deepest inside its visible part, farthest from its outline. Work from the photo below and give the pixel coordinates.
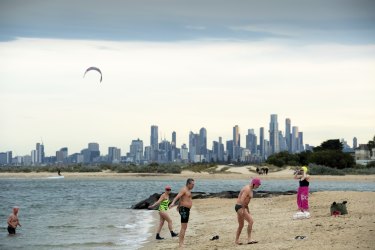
(242, 210)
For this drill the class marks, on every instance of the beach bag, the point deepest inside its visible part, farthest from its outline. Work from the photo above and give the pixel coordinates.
(339, 208)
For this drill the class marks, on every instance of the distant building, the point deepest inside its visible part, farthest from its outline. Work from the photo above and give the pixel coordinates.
(363, 155)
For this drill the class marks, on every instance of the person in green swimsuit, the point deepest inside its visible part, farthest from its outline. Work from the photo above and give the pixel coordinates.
(163, 207)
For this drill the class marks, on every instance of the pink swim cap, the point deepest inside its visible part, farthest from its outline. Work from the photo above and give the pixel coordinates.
(168, 187)
(255, 181)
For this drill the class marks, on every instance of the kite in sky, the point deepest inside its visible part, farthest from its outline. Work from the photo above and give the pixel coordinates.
(94, 68)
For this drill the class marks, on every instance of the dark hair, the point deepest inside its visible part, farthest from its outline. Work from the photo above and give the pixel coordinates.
(188, 181)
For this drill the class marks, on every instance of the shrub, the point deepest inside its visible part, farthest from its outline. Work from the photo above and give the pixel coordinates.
(323, 170)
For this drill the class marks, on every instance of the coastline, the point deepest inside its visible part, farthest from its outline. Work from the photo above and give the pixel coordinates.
(235, 173)
(274, 227)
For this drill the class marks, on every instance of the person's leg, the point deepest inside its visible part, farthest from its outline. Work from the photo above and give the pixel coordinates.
(182, 234)
(250, 222)
(169, 221)
(240, 219)
(161, 223)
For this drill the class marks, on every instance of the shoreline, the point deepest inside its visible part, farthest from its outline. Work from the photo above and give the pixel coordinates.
(274, 227)
(285, 174)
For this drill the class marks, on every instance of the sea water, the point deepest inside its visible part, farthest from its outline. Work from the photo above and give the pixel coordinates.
(95, 213)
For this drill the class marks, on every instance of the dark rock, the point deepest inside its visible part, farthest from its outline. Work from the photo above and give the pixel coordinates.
(144, 204)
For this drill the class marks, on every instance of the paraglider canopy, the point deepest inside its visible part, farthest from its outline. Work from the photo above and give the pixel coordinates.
(94, 68)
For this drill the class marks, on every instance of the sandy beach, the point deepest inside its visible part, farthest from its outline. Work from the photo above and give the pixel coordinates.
(274, 227)
(240, 173)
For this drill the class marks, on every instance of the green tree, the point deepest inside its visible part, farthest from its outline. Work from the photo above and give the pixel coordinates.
(333, 144)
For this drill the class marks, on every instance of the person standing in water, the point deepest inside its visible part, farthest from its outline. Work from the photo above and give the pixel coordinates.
(242, 210)
(185, 204)
(303, 189)
(163, 207)
(13, 221)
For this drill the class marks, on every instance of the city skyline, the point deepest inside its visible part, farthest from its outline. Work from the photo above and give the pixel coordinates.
(183, 65)
(155, 139)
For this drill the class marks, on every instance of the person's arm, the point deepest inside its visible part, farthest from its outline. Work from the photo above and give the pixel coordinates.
(178, 196)
(9, 221)
(158, 201)
(303, 176)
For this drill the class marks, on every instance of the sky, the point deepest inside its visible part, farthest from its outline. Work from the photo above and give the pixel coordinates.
(183, 65)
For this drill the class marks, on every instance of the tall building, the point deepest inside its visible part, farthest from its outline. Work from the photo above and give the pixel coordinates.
(230, 150)
(300, 142)
(184, 153)
(236, 143)
(261, 143)
(251, 141)
(62, 155)
(93, 148)
(294, 140)
(174, 151)
(114, 155)
(154, 142)
(165, 149)
(274, 134)
(174, 141)
(3, 159)
(202, 142)
(355, 143)
(193, 146)
(136, 150)
(282, 142)
(288, 134)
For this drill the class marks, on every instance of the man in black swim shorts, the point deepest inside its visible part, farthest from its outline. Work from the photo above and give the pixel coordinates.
(185, 204)
(184, 213)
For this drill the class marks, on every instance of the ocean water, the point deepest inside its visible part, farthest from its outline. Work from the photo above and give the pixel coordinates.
(95, 213)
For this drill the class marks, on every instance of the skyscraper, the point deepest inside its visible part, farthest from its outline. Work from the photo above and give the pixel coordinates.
(136, 150)
(261, 143)
(274, 134)
(236, 143)
(154, 143)
(287, 134)
(294, 139)
(251, 141)
(355, 143)
(202, 142)
(174, 142)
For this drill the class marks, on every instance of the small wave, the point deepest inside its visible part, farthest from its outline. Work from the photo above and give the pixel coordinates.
(127, 226)
(62, 226)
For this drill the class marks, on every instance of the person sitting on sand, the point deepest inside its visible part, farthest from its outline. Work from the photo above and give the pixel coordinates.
(163, 207)
(13, 221)
(242, 210)
(303, 189)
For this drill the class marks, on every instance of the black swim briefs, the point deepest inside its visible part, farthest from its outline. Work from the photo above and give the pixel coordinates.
(238, 207)
(11, 230)
(184, 212)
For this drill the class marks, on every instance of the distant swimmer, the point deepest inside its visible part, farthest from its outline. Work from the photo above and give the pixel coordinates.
(59, 172)
(13, 221)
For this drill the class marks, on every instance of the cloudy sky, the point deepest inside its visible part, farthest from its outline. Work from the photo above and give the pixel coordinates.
(183, 65)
